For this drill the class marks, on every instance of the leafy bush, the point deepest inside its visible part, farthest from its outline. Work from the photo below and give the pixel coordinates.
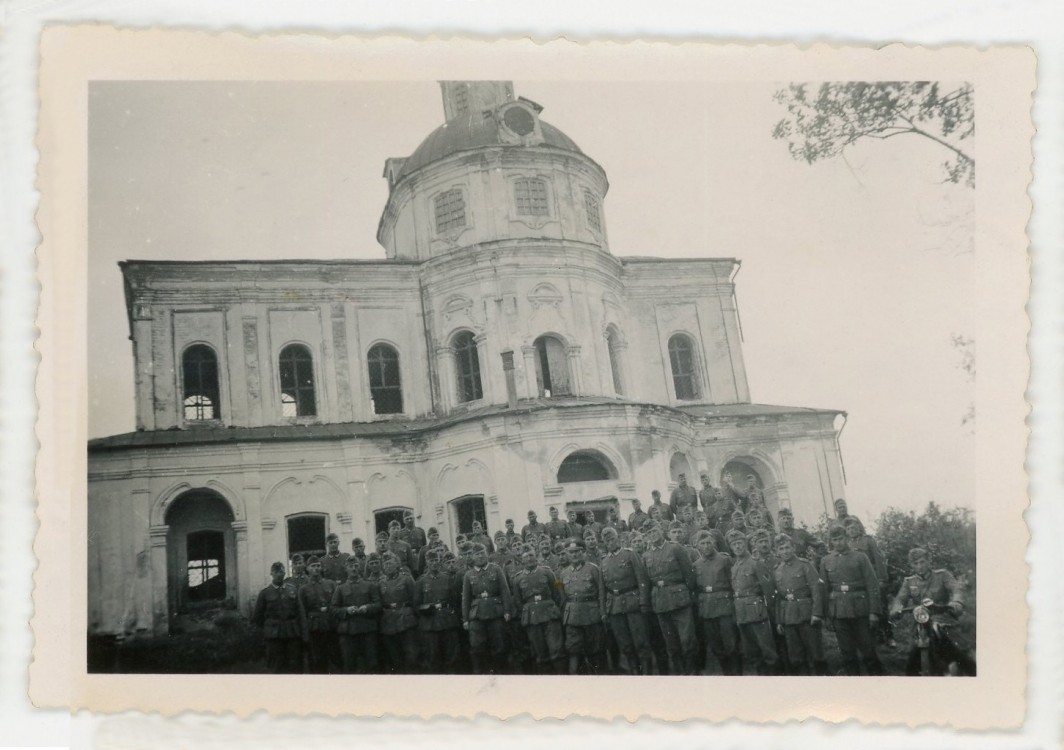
(948, 535)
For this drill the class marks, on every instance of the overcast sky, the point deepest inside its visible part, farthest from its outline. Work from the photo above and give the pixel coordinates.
(856, 273)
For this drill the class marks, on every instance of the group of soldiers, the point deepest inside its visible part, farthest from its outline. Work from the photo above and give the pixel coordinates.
(708, 576)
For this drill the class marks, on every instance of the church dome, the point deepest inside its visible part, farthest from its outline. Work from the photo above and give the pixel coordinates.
(472, 131)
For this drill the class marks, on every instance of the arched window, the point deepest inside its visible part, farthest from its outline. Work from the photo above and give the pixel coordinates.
(613, 344)
(530, 196)
(199, 369)
(593, 210)
(584, 466)
(684, 374)
(384, 383)
(297, 382)
(552, 369)
(467, 365)
(450, 210)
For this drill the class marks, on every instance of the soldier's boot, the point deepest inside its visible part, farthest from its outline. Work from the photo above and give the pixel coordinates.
(820, 668)
(560, 666)
(574, 664)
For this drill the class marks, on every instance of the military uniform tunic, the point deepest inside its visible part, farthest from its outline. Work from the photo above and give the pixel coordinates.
(627, 598)
(716, 610)
(539, 599)
(485, 600)
(357, 630)
(754, 591)
(437, 599)
(277, 613)
(671, 578)
(334, 567)
(853, 595)
(800, 596)
(585, 602)
(940, 587)
(557, 529)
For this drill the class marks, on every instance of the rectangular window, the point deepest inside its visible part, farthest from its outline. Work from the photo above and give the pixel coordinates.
(591, 206)
(450, 210)
(531, 198)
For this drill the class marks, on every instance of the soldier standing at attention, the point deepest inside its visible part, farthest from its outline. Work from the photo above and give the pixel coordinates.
(437, 599)
(671, 579)
(716, 606)
(299, 577)
(556, 527)
(538, 598)
(356, 604)
(277, 613)
(319, 631)
(592, 551)
(412, 534)
(434, 542)
(486, 607)
(682, 496)
(532, 528)
(399, 548)
(590, 524)
(637, 517)
(627, 603)
(576, 529)
(479, 536)
(799, 609)
(800, 538)
(853, 602)
(358, 553)
(754, 594)
(662, 508)
(334, 564)
(708, 494)
(613, 520)
(398, 622)
(584, 612)
(512, 536)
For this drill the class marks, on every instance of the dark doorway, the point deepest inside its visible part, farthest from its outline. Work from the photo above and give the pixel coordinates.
(306, 534)
(466, 510)
(599, 507)
(382, 518)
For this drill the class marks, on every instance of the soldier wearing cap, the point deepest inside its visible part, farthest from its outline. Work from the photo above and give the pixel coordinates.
(760, 541)
(533, 527)
(358, 553)
(538, 598)
(800, 538)
(706, 495)
(754, 593)
(434, 542)
(576, 529)
(584, 611)
(437, 600)
(592, 551)
(799, 609)
(556, 527)
(299, 576)
(372, 571)
(627, 602)
(853, 606)
(671, 579)
(720, 511)
(662, 508)
(511, 535)
(939, 586)
(637, 517)
(334, 563)
(486, 607)
(277, 613)
(319, 630)
(614, 521)
(716, 606)
(412, 534)
(398, 625)
(841, 510)
(590, 524)
(356, 606)
(399, 548)
(684, 495)
(480, 536)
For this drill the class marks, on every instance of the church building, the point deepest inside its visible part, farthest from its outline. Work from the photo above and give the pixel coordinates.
(498, 359)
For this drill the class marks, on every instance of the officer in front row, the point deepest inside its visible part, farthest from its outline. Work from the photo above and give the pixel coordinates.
(799, 608)
(672, 578)
(437, 599)
(853, 602)
(539, 600)
(584, 613)
(277, 613)
(486, 607)
(627, 602)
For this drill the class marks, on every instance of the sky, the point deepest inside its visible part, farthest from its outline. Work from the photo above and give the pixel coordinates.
(856, 273)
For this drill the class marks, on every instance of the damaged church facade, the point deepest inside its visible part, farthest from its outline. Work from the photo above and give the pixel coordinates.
(499, 359)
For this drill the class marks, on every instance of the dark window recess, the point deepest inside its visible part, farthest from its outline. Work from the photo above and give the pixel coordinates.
(306, 534)
(682, 358)
(450, 210)
(615, 362)
(530, 195)
(382, 518)
(384, 383)
(199, 370)
(467, 510)
(582, 467)
(297, 382)
(594, 214)
(552, 369)
(467, 363)
(206, 566)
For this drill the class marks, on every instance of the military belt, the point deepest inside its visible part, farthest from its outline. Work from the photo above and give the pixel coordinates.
(583, 598)
(622, 592)
(802, 593)
(847, 587)
(748, 594)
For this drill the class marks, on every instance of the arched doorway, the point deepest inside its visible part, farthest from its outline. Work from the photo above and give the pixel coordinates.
(201, 552)
(679, 464)
(748, 476)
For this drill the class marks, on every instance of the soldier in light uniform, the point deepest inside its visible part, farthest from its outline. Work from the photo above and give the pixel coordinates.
(942, 589)
(671, 579)
(277, 613)
(356, 606)
(437, 601)
(627, 603)
(539, 600)
(319, 630)
(754, 594)
(398, 626)
(486, 608)
(716, 605)
(853, 603)
(412, 534)
(799, 609)
(584, 612)
(358, 554)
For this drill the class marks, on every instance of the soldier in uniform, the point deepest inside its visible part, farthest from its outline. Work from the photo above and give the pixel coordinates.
(556, 527)
(319, 630)
(486, 607)
(853, 602)
(627, 603)
(754, 593)
(434, 542)
(684, 495)
(277, 613)
(662, 508)
(358, 553)
(614, 521)
(671, 579)
(398, 626)
(841, 510)
(590, 524)
(533, 527)
(942, 589)
(334, 564)
(538, 598)
(399, 548)
(637, 517)
(800, 538)
(706, 495)
(373, 568)
(761, 548)
(412, 534)
(799, 609)
(512, 536)
(584, 612)
(356, 605)
(716, 606)
(437, 600)
(299, 575)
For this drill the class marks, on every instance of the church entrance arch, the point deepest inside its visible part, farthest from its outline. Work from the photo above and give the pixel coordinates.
(201, 552)
(748, 477)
